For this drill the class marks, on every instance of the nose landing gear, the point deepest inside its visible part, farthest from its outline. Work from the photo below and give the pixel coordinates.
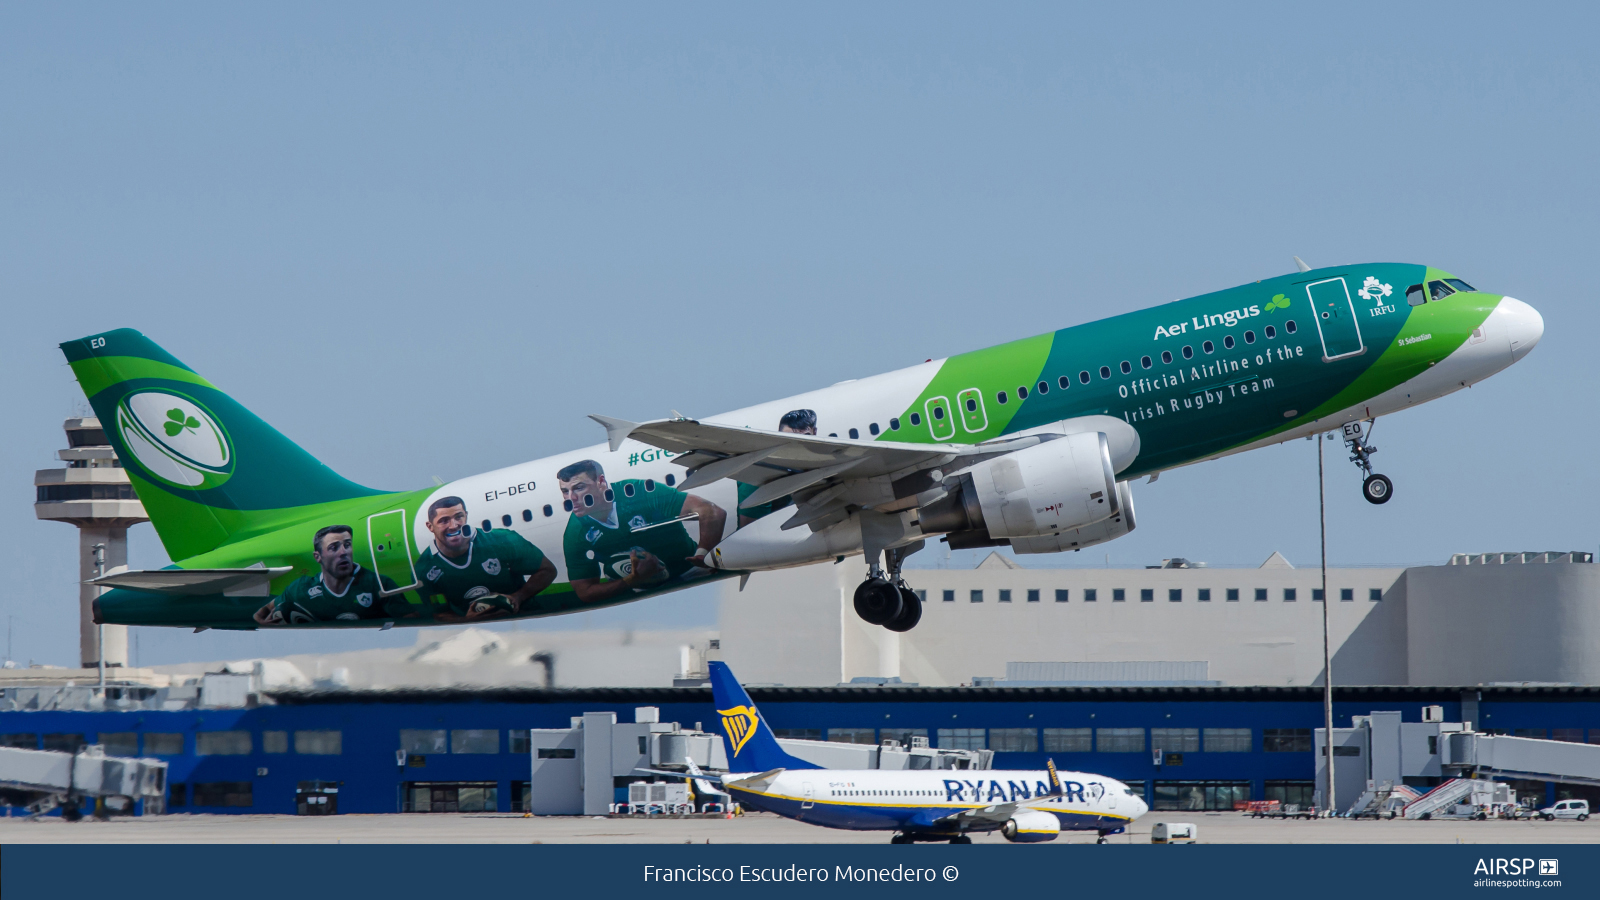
(1376, 488)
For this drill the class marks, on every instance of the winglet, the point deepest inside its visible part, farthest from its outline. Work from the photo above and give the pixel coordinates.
(1301, 264)
(617, 430)
(1055, 780)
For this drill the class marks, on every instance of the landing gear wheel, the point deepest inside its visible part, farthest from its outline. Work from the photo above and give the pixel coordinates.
(877, 601)
(1101, 839)
(900, 839)
(1377, 489)
(961, 839)
(910, 612)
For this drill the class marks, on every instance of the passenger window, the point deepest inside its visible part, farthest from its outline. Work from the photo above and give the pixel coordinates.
(1460, 285)
(1166, 357)
(1145, 361)
(1188, 352)
(1083, 377)
(1249, 337)
(1022, 393)
(1415, 296)
(1064, 381)
(506, 520)
(649, 484)
(1044, 387)
(916, 419)
(1207, 347)
(872, 428)
(627, 489)
(1227, 341)
(1001, 397)
(854, 435)
(894, 424)
(1127, 367)
(1270, 332)
(1438, 290)
(527, 515)
(1289, 326)
(1105, 371)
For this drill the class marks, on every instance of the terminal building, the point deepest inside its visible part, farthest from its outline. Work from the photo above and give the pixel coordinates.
(1199, 686)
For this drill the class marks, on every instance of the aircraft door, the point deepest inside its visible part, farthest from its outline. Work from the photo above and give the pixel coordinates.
(940, 424)
(390, 542)
(1335, 316)
(807, 795)
(973, 416)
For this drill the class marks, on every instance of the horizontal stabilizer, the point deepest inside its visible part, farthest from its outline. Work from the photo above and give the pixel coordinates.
(251, 582)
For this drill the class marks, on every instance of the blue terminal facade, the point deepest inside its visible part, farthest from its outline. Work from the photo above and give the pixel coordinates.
(463, 750)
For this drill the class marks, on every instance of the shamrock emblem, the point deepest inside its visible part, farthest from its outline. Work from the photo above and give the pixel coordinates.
(1373, 289)
(1279, 301)
(177, 422)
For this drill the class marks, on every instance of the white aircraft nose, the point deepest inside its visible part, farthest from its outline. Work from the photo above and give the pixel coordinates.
(1525, 324)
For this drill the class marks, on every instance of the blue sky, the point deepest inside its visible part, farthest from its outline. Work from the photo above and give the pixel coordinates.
(426, 240)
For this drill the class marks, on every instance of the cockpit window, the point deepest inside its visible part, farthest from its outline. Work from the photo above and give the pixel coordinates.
(1415, 296)
(1460, 285)
(1438, 290)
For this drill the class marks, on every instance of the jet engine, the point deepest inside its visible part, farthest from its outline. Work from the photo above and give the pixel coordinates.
(1087, 536)
(1030, 826)
(1049, 490)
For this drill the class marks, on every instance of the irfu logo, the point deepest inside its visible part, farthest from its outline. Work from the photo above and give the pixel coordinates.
(177, 421)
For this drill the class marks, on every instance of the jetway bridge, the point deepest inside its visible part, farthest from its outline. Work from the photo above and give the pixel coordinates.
(1373, 758)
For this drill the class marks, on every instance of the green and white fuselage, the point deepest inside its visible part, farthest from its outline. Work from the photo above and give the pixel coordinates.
(1169, 386)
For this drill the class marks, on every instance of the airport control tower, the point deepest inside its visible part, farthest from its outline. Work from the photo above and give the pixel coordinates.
(93, 493)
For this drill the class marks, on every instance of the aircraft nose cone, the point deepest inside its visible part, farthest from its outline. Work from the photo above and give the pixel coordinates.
(1525, 324)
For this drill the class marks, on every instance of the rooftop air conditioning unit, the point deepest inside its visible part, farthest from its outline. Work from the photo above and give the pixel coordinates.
(1433, 714)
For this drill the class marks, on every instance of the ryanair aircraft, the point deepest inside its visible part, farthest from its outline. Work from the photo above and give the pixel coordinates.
(916, 804)
(1032, 444)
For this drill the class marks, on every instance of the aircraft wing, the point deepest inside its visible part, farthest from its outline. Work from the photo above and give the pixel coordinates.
(781, 464)
(251, 582)
(998, 814)
(687, 776)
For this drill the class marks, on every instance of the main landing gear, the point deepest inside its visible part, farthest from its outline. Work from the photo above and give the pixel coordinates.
(1376, 488)
(885, 598)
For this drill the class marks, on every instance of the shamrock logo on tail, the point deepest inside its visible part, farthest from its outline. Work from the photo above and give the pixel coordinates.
(1278, 301)
(176, 422)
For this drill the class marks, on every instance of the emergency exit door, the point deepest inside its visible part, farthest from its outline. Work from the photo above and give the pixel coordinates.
(1335, 316)
(390, 543)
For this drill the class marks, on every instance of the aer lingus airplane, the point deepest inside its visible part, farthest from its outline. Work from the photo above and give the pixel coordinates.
(1031, 444)
(916, 804)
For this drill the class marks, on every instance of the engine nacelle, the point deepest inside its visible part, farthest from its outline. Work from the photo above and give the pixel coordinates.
(1087, 536)
(1030, 826)
(1046, 489)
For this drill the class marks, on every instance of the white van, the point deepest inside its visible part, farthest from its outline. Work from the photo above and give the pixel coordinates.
(1566, 809)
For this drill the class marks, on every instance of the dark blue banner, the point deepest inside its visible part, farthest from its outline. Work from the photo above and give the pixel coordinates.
(169, 872)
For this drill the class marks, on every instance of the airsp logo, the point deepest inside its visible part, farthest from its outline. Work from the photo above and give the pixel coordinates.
(174, 439)
(492, 566)
(364, 599)
(739, 724)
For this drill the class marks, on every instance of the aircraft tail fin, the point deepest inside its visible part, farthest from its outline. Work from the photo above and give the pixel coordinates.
(207, 470)
(751, 745)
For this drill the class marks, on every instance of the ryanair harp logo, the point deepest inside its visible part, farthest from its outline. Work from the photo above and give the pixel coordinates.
(739, 723)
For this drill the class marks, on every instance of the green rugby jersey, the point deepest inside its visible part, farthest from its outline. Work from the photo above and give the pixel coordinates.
(594, 548)
(307, 599)
(496, 562)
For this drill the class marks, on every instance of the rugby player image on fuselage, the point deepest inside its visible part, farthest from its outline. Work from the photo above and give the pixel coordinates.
(341, 591)
(471, 574)
(795, 421)
(629, 536)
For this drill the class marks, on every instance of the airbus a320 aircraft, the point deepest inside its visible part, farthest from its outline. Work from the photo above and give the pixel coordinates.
(1031, 444)
(916, 804)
